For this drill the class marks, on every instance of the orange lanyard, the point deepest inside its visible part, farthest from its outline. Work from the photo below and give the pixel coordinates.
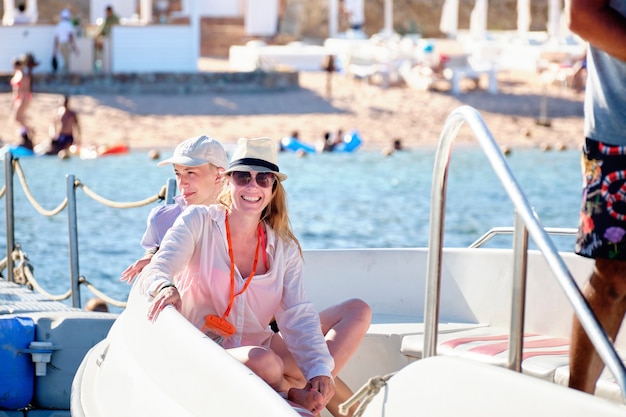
(232, 265)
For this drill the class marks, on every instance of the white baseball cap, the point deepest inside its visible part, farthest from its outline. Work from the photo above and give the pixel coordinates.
(66, 14)
(198, 151)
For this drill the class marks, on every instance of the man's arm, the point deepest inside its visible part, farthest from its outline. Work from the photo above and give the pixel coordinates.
(599, 24)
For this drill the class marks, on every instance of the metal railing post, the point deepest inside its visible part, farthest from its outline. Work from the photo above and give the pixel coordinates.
(435, 240)
(10, 213)
(170, 192)
(533, 228)
(72, 223)
(518, 303)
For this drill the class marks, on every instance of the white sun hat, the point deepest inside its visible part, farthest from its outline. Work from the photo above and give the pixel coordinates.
(258, 155)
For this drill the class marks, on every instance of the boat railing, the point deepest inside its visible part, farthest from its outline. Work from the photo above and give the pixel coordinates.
(16, 261)
(495, 231)
(526, 223)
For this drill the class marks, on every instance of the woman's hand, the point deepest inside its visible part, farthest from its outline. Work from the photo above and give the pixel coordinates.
(132, 271)
(325, 386)
(166, 295)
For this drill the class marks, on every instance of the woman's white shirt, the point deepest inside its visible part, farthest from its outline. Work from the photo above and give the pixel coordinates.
(194, 256)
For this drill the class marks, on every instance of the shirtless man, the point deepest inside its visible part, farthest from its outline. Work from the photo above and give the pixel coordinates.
(62, 128)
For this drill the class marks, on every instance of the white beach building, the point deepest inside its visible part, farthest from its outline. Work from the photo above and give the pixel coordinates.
(138, 44)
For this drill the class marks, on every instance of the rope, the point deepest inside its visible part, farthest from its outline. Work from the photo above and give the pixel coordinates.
(24, 275)
(23, 269)
(100, 294)
(115, 204)
(29, 195)
(33, 282)
(367, 392)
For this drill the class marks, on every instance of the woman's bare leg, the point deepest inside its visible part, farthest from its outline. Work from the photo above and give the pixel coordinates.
(344, 326)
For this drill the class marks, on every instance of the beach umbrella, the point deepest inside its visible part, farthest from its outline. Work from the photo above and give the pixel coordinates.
(32, 10)
(333, 18)
(523, 17)
(9, 12)
(478, 19)
(449, 23)
(388, 29)
(554, 18)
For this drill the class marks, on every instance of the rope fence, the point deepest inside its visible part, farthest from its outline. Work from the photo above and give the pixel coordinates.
(121, 205)
(22, 267)
(31, 198)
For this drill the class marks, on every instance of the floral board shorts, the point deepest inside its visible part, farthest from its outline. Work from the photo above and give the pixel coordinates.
(602, 226)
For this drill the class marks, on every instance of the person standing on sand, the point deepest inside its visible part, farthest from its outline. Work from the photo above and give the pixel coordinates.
(62, 128)
(65, 39)
(602, 228)
(21, 84)
(110, 19)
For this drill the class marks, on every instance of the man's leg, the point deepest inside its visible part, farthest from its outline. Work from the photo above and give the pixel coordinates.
(64, 49)
(606, 294)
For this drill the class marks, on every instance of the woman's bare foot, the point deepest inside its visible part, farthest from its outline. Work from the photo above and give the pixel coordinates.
(310, 399)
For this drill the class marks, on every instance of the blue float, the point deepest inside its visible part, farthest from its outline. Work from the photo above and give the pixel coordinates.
(350, 142)
(16, 150)
(17, 372)
(290, 143)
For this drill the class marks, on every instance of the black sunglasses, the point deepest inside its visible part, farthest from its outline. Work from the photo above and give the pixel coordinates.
(263, 179)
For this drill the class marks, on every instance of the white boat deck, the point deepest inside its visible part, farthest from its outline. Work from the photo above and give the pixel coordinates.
(474, 311)
(473, 325)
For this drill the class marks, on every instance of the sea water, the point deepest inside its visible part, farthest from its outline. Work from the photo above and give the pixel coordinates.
(336, 200)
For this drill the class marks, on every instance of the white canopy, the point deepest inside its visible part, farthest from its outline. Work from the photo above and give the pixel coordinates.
(523, 17)
(9, 12)
(554, 18)
(449, 23)
(478, 19)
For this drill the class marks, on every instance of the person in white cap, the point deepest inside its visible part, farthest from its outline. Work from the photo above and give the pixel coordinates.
(65, 39)
(230, 268)
(198, 165)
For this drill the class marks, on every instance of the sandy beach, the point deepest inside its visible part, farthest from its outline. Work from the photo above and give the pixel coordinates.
(380, 114)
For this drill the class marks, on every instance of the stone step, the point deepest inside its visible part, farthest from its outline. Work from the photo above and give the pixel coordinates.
(159, 83)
